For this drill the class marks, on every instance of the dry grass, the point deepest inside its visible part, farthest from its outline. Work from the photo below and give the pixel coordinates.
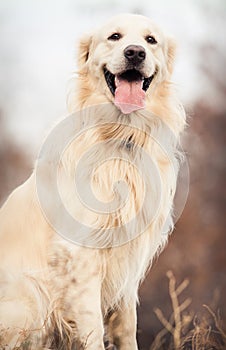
(30, 339)
(23, 341)
(183, 330)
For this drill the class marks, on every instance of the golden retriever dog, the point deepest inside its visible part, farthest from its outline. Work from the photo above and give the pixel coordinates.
(79, 235)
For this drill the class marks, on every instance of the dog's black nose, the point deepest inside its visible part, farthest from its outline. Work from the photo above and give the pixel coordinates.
(135, 53)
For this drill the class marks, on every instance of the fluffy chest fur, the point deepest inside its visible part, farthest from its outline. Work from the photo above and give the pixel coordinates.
(118, 178)
(131, 172)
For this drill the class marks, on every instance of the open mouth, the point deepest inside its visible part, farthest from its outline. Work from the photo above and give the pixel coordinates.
(128, 89)
(131, 75)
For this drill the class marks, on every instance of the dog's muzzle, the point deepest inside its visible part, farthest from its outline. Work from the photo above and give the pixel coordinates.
(130, 85)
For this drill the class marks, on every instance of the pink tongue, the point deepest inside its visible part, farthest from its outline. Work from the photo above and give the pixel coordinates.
(129, 96)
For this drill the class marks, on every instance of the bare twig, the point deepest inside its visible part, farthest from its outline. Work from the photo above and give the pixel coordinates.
(199, 337)
(182, 287)
(176, 308)
(177, 320)
(164, 321)
(216, 320)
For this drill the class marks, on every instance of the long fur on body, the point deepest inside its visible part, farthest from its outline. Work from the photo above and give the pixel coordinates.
(62, 294)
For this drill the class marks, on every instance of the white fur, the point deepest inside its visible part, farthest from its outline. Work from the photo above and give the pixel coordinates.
(49, 284)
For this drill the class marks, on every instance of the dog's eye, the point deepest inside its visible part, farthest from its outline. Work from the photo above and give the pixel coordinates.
(115, 37)
(151, 40)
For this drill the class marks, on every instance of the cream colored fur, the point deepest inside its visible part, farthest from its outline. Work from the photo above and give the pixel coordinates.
(62, 294)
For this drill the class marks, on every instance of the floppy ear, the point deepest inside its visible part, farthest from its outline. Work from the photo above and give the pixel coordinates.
(83, 50)
(171, 52)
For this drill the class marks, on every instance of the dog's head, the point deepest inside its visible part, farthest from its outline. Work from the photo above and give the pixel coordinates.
(126, 60)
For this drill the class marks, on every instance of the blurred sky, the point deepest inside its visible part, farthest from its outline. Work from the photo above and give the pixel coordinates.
(37, 54)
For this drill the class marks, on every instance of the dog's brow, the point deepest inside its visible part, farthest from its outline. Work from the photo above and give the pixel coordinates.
(149, 31)
(117, 30)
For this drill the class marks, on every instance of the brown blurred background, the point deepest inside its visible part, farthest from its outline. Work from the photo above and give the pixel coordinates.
(29, 103)
(197, 248)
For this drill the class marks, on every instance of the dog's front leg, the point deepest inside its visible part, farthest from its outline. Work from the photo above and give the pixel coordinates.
(122, 327)
(88, 316)
(76, 273)
(82, 302)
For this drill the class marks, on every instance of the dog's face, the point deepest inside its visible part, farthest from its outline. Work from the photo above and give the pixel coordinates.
(126, 60)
